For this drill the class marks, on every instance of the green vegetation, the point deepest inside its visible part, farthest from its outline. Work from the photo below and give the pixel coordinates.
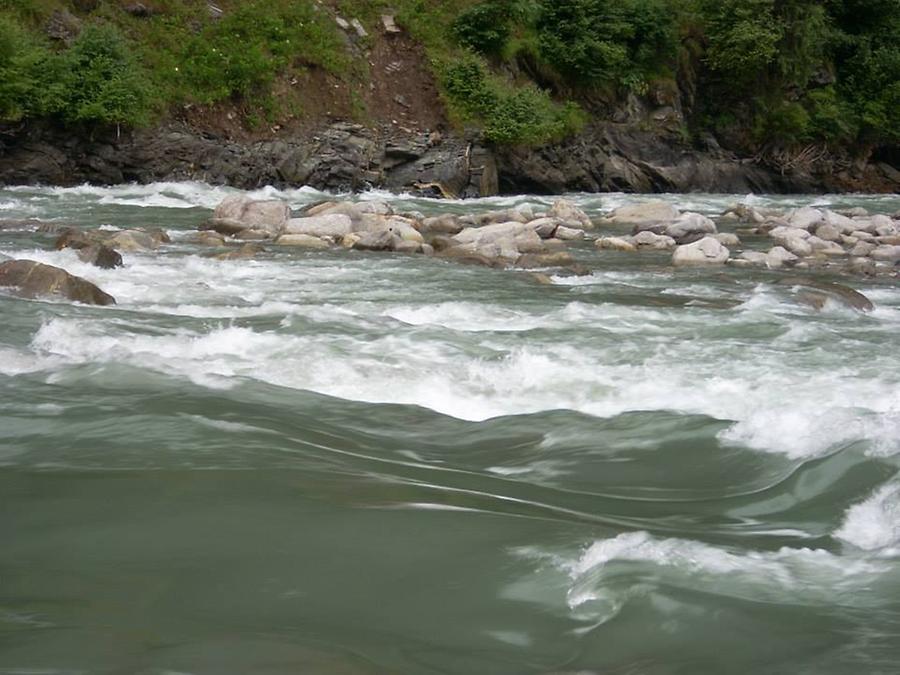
(762, 73)
(509, 114)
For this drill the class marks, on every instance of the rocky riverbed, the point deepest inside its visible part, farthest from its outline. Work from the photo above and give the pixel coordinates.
(847, 243)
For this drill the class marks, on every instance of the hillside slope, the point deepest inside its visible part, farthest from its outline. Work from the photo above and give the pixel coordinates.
(454, 98)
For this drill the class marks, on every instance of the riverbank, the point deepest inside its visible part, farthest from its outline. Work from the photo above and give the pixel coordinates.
(341, 156)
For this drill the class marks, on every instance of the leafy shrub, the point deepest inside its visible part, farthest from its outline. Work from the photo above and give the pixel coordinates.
(97, 80)
(510, 115)
(595, 41)
(17, 55)
(743, 38)
(831, 118)
(787, 123)
(484, 28)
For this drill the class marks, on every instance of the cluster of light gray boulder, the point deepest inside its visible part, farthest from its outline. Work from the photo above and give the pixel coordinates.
(529, 238)
(519, 236)
(802, 237)
(524, 237)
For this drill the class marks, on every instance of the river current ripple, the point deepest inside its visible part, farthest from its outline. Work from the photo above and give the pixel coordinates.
(347, 463)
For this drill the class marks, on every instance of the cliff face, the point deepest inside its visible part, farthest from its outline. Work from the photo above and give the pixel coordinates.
(342, 156)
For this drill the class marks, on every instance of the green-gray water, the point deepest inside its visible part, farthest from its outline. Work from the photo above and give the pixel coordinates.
(349, 463)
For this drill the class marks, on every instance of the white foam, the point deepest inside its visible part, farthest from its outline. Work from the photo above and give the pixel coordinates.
(874, 525)
(609, 572)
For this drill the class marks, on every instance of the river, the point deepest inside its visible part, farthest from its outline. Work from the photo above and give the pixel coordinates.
(347, 463)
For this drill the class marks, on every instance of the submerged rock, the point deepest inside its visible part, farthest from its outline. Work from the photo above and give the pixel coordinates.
(817, 293)
(33, 279)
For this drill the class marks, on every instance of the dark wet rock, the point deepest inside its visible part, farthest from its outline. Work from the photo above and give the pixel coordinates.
(100, 256)
(817, 293)
(467, 257)
(63, 26)
(344, 156)
(33, 279)
(90, 248)
(540, 260)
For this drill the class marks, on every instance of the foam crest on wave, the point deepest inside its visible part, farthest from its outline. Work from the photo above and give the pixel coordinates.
(874, 524)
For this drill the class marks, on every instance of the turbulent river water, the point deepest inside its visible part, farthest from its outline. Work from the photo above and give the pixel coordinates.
(350, 463)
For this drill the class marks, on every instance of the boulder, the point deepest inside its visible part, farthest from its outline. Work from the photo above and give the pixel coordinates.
(326, 225)
(655, 242)
(780, 257)
(794, 241)
(491, 233)
(545, 227)
(841, 223)
(727, 239)
(616, 244)
(270, 215)
(820, 246)
(783, 231)
(407, 247)
(301, 240)
(515, 215)
(375, 241)
(745, 213)
(806, 218)
(462, 254)
(565, 210)
(707, 251)
(650, 212)
(862, 249)
(443, 224)
(690, 223)
(354, 210)
(223, 226)
(755, 257)
(136, 240)
(886, 253)
(540, 260)
(829, 232)
(209, 239)
(529, 242)
(33, 279)
(569, 233)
